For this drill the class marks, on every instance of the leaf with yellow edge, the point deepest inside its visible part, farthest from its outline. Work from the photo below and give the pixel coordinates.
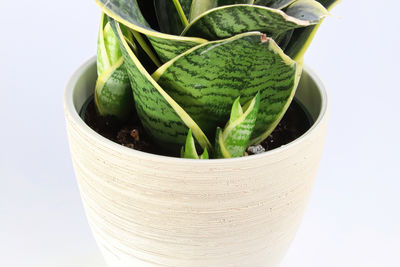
(113, 95)
(234, 139)
(163, 118)
(189, 150)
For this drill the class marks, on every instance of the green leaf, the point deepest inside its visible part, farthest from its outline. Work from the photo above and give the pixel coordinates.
(267, 3)
(309, 10)
(180, 11)
(329, 4)
(146, 47)
(280, 4)
(185, 4)
(236, 111)
(205, 154)
(207, 79)
(161, 116)
(189, 150)
(227, 21)
(168, 49)
(200, 6)
(233, 141)
(113, 94)
(168, 17)
(302, 38)
(128, 13)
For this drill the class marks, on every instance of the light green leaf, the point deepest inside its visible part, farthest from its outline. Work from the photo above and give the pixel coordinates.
(189, 150)
(205, 154)
(161, 116)
(200, 6)
(128, 13)
(207, 79)
(113, 94)
(234, 139)
(227, 21)
(237, 110)
(309, 10)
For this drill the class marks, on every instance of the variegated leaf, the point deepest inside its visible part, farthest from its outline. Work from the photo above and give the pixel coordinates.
(113, 95)
(302, 38)
(161, 116)
(189, 150)
(208, 78)
(227, 21)
(128, 13)
(233, 141)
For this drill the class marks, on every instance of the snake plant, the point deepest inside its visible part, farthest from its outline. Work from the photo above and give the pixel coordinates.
(201, 70)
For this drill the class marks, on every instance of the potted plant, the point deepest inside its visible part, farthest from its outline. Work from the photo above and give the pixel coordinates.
(207, 82)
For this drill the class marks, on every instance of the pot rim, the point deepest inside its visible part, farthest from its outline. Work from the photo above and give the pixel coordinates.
(69, 108)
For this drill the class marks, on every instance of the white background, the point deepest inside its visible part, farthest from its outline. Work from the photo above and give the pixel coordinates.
(354, 214)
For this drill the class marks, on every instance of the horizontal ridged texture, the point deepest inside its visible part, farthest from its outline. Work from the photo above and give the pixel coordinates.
(148, 210)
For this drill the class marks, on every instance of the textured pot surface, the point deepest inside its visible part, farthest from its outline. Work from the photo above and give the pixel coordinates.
(149, 210)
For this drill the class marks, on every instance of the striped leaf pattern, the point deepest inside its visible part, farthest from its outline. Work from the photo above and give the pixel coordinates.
(167, 49)
(233, 141)
(207, 79)
(113, 95)
(227, 21)
(160, 115)
(128, 13)
(204, 55)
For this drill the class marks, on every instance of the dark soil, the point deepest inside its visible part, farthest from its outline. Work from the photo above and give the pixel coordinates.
(293, 125)
(131, 134)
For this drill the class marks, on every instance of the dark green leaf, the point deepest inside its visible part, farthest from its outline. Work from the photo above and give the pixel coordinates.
(168, 17)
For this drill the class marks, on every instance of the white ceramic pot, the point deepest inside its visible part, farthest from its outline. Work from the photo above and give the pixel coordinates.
(150, 210)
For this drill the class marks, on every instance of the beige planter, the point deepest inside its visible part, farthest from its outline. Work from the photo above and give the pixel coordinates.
(149, 210)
